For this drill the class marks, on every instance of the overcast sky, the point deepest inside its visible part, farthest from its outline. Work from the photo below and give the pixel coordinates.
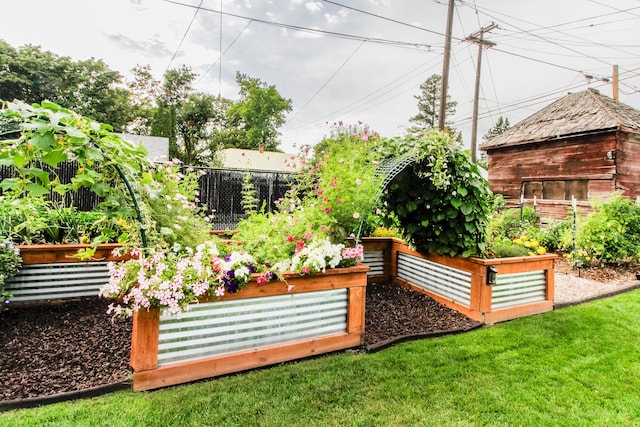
(353, 60)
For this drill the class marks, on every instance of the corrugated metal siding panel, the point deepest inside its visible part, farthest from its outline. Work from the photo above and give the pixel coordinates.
(375, 261)
(223, 327)
(519, 288)
(41, 282)
(445, 281)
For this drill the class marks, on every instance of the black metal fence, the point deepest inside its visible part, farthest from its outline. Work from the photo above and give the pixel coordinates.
(220, 191)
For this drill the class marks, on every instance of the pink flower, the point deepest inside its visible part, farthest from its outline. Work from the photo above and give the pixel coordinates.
(290, 288)
(306, 270)
(291, 238)
(320, 192)
(220, 291)
(308, 235)
(327, 210)
(356, 215)
(358, 181)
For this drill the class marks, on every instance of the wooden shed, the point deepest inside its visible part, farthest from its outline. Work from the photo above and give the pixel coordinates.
(584, 145)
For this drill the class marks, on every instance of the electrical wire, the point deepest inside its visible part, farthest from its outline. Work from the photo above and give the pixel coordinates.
(184, 36)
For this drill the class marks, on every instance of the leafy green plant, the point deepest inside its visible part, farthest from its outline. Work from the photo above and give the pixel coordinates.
(10, 264)
(249, 198)
(611, 233)
(557, 236)
(511, 223)
(169, 196)
(49, 135)
(442, 202)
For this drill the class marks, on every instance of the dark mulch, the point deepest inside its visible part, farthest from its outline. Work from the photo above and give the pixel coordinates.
(51, 350)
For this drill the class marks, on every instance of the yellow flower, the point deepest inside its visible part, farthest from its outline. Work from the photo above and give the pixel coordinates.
(542, 250)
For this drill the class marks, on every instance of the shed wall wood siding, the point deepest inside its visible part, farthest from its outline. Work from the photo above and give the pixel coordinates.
(628, 162)
(578, 158)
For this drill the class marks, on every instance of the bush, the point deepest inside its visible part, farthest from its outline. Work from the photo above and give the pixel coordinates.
(509, 224)
(611, 233)
(558, 236)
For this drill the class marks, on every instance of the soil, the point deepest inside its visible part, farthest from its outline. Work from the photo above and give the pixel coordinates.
(58, 349)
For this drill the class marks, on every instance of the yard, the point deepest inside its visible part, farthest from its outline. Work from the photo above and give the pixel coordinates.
(573, 366)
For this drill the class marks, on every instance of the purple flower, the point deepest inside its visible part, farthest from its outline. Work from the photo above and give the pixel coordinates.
(232, 287)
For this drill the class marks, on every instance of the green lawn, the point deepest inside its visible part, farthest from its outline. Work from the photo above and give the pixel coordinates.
(575, 366)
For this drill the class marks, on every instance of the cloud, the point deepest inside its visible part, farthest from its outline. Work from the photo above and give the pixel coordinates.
(151, 47)
(336, 18)
(314, 6)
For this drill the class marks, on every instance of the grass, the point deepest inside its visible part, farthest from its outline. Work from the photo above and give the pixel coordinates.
(577, 366)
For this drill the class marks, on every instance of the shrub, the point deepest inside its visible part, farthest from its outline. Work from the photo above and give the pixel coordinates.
(558, 236)
(611, 233)
(511, 224)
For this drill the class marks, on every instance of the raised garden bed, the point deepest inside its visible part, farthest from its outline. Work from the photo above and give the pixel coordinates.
(520, 286)
(258, 326)
(54, 272)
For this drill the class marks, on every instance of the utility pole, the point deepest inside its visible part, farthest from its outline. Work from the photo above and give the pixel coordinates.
(478, 38)
(615, 82)
(445, 68)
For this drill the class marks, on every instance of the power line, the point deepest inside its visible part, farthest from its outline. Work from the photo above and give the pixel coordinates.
(377, 40)
(219, 60)
(330, 78)
(183, 37)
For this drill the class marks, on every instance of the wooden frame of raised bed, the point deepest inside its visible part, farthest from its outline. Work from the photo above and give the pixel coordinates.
(521, 287)
(258, 326)
(54, 272)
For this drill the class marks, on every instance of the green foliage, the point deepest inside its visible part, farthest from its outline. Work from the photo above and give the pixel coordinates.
(170, 210)
(258, 114)
(558, 236)
(10, 264)
(332, 194)
(429, 103)
(501, 125)
(249, 198)
(442, 201)
(34, 220)
(511, 223)
(88, 87)
(49, 136)
(166, 195)
(504, 248)
(611, 233)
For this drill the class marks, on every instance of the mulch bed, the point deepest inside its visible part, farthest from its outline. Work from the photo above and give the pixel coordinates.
(61, 350)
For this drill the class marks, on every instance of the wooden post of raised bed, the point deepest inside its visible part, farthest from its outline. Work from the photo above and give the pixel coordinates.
(144, 340)
(356, 312)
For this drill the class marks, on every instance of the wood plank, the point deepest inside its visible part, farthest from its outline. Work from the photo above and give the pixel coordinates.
(144, 340)
(237, 362)
(356, 311)
(517, 311)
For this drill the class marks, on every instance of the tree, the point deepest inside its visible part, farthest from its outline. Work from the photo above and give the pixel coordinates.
(257, 116)
(88, 87)
(502, 124)
(429, 103)
(192, 122)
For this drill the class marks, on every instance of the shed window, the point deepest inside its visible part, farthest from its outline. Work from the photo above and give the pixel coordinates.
(556, 190)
